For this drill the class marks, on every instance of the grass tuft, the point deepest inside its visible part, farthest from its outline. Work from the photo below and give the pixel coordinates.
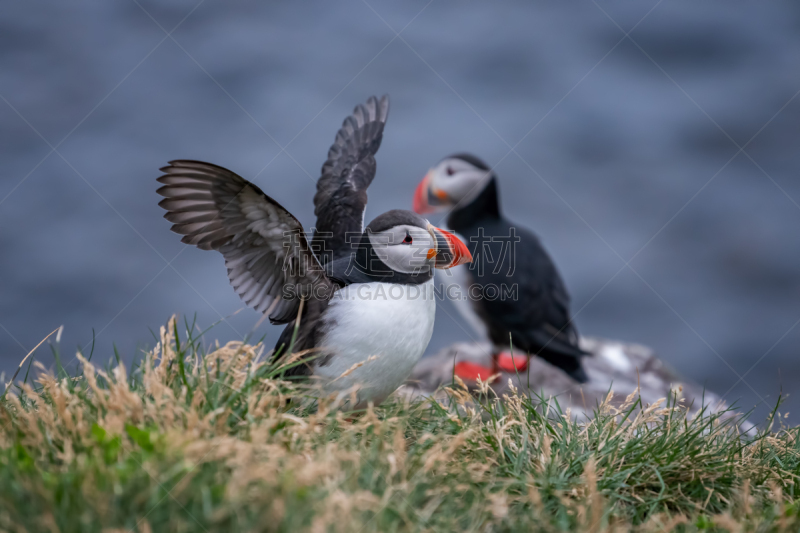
(196, 441)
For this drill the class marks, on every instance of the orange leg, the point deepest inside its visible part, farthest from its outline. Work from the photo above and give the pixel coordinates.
(471, 371)
(505, 362)
(502, 362)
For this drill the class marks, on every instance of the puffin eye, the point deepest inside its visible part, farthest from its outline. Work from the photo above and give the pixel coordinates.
(408, 239)
(450, 171)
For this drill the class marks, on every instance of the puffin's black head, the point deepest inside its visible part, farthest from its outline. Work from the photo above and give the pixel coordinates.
(403, 242)
(396, 217)
(457, 179)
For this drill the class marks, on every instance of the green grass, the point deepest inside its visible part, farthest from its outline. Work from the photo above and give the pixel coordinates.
(190, 441)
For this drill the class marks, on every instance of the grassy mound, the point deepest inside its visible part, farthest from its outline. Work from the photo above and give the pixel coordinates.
(196, 441)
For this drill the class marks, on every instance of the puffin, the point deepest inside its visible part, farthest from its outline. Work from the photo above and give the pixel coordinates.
(512, 294)
(357, 302)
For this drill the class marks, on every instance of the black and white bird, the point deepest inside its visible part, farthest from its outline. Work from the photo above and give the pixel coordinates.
(367, 296)
(512, 291)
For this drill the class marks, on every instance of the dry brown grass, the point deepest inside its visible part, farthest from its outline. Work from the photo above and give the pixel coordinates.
(196, 442)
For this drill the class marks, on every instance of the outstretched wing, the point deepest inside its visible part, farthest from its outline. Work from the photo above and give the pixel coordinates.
(342, 189)
(270, 264)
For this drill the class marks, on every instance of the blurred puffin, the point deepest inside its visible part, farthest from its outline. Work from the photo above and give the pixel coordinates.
(364, 302)
(536, 317)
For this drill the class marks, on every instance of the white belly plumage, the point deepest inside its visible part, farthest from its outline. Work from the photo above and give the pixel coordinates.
(460, 277)
(382, 325)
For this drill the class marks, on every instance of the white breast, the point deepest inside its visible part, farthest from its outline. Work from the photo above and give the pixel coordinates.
(382, 325)
(457, 282)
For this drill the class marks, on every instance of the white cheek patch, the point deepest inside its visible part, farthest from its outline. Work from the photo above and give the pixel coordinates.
(464, 186)
(408, 258)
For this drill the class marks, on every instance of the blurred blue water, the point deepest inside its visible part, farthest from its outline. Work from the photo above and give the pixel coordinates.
(613, 137)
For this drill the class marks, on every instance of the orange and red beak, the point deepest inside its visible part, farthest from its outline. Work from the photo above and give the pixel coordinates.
(426, 199)
(450, 251)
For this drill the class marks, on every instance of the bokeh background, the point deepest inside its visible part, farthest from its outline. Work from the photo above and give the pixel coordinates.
(652, 145)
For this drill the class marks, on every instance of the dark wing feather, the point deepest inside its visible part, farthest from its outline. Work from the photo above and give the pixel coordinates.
(342, 189)
(264, 246)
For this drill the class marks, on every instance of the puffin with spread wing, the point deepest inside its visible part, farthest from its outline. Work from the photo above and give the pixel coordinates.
(363, 296)
(516, 295)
